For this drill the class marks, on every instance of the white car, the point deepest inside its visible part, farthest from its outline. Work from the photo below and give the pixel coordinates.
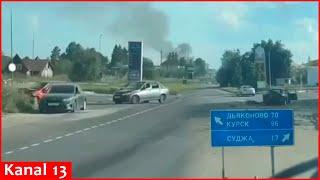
(142, 91)
(247, 90)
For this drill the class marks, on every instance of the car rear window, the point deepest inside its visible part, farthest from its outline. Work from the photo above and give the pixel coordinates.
(155, 86)
(67, 89)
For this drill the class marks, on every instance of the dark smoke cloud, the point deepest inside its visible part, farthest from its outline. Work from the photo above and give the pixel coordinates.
(184, 50)
(125, 21)
(141, 21)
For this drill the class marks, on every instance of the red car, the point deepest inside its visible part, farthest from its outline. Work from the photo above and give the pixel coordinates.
(40, 93)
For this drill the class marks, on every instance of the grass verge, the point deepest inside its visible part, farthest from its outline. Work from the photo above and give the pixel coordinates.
(177, 87)
(14, 101)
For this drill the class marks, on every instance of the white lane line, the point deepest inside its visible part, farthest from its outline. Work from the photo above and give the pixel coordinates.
(48, 140)
(9, 152)
(92, 127)
(59, 137)
(69, 134)
(35, 144)
(23, 148)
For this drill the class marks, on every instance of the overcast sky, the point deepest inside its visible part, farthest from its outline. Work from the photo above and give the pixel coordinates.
(210, 28)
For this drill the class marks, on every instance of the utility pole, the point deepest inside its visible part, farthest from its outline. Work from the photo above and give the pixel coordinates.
(33, 45)
(269, 69)
(11, 43)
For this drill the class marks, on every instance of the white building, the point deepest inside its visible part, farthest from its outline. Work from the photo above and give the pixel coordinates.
(312, 76)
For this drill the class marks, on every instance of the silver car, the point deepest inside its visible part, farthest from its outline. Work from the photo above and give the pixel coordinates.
(142, 91)
(247, 90)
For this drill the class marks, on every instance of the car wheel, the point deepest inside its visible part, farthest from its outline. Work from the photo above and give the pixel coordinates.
(285, 102)
(84, 106)
(162, 98)
(74, 107)
(42, 109)
(135, 99)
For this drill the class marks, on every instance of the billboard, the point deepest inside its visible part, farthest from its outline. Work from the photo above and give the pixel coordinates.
(259, 55)
(135, 49)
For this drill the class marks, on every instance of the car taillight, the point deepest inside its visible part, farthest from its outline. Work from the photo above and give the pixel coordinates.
(39, 94)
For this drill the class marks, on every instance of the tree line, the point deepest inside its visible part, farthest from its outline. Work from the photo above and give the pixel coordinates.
(87, 64)
(240, 69)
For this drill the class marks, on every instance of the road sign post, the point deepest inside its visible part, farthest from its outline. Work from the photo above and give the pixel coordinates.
(252, 127)
(222, 155)
(272, 160)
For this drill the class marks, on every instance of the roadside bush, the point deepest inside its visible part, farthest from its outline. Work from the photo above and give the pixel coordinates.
(14, 101)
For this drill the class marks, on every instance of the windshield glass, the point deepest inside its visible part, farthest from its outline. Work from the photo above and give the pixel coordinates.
(66, 89)
(277, 91)
(134, 85)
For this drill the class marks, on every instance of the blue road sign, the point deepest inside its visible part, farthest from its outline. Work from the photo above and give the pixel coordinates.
(135, 50)
(254, 127)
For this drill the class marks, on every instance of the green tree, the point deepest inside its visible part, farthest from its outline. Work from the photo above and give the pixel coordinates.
(280, 59)
(73, 52)
(62, 67)
(148, 68)
(119, 56)
(86, 64)
(248, 69)
(199, 67)
(55, 53)
(230, 72)
(182, 61)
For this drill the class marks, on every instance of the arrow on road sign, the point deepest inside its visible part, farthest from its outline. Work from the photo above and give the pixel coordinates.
(286, 137)
(218, 120)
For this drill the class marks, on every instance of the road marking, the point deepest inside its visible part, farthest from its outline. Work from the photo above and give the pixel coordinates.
(59, 137)
(9, 152)
(48, 140)
(23, 148)
(69, 134)
(92, 127)
(35, 144)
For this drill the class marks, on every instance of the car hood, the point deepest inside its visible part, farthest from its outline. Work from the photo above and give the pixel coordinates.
(124, 91)
(58, 96)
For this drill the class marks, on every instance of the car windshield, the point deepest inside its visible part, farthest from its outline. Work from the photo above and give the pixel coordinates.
(276, 90)
(134, 85)
(65, 89)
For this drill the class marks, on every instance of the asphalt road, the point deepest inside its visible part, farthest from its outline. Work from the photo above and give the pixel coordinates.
(149, 140)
